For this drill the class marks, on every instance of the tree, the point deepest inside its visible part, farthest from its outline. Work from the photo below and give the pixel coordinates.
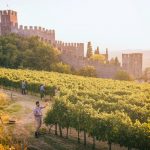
(89, 50)
(61, 67)
(98, 57)
(112, 61)
(146, 74)
(123, 75)
(89, 71)
(26, 52)
(97, 51)
(117, 61)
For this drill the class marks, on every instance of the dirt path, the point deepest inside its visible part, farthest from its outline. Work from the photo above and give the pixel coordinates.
(25, 126)
(24, 117)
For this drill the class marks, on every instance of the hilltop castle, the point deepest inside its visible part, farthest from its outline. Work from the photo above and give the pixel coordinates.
(71, 53)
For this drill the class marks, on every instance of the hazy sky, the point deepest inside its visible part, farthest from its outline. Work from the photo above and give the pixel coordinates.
(116, 24)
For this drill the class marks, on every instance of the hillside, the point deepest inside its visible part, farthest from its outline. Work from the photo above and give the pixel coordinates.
(106, 110)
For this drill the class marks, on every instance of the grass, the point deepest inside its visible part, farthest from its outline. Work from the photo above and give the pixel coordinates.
(14, 108)
(53, 142)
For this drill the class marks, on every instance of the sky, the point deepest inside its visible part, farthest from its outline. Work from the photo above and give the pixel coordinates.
(115, 24)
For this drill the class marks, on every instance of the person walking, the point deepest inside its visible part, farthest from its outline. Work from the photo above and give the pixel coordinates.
(38, 117)
(42, 91)
(23, 87)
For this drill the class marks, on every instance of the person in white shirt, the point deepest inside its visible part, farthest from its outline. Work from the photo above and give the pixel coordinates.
(38, 117)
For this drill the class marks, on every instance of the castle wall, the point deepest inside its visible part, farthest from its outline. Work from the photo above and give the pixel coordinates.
(74, 49)
(102, 70)
(132, 63)
(42, 33)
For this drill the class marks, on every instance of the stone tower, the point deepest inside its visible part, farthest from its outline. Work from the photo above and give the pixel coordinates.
(132, 63)
(8, 21)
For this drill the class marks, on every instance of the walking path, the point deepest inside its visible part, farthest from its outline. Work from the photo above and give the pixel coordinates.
(25, 126)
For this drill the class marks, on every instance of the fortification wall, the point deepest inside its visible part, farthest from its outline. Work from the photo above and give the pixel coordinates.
(42, 33)
(102, 70)
(132, 63)
(70, 49)
(8, 12)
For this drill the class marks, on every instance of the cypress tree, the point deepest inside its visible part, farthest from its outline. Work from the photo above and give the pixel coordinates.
(97, 50)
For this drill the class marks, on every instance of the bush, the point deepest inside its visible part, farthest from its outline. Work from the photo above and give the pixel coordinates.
(89, 71)
(98, 57)
(123, 75)
(61, 68)
(3, 99)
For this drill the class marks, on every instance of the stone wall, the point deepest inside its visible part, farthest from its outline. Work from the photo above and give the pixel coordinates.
(132, 63)
(103, 70)
(42, 33)
(74, 49)
(8, 20)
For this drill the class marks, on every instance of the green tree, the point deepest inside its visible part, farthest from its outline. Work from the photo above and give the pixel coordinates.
(89, 50)
(26, 52)
(123, 75)
(98, 57)
(146, 74)
(117, 61)
(89, 71)
(61, 67)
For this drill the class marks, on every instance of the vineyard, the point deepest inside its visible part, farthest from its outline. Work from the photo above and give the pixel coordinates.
(106, 110)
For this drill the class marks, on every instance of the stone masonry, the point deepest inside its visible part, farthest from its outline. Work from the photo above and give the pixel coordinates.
(132, 63)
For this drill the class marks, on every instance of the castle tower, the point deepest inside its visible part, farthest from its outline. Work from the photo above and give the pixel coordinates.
(132, 63)
(8, 21)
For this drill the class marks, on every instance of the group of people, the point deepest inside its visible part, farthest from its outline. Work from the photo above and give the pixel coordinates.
(38, 110)
(42, 91)
(24, 89)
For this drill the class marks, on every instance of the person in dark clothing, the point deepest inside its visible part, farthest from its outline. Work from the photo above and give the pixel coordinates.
(42, 91)
(23, 87)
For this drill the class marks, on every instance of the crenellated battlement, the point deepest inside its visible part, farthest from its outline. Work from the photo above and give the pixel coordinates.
(75, 45)
(74, 49)
(8, 12)
(9, 21)
(36, 29)
(44, 34)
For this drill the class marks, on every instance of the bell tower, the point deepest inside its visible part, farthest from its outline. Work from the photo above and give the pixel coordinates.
(8, 21)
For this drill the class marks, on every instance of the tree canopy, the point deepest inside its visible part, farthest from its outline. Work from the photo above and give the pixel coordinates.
(26, 52)
(98, 57)
(89, 71)
(123, 75)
